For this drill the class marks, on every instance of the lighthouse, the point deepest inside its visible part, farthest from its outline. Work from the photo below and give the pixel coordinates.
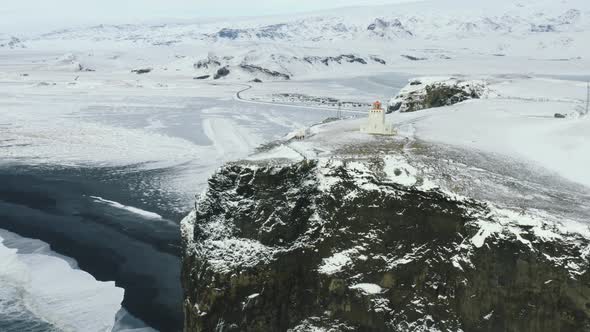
(376, 122)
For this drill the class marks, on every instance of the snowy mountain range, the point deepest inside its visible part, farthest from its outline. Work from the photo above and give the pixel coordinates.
(392, 22)
(345, 40)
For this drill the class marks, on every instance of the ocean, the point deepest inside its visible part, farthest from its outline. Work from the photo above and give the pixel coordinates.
(110, 231)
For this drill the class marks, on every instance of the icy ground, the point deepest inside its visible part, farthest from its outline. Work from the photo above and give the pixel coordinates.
(486, 155)
(177, 130)
(423, 37)
(68, 98)
(506, 148)
(103, 119)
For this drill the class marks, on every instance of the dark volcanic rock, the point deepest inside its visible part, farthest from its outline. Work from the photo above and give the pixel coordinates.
(229, 33)
(343, 58)
(319, 245)
(543, 28)
(142, 71)
(413, 58)
(210, 62)
(384, 28)
(221, 72)
(379, 60)
(438, 94)
(268, 72)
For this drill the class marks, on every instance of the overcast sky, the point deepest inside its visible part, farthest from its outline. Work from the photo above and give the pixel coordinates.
(39, 15)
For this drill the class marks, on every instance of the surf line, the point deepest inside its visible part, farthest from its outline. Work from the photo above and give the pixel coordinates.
(138, 211)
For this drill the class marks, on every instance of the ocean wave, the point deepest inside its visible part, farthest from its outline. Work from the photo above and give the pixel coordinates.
(138, 211)
(41, 291)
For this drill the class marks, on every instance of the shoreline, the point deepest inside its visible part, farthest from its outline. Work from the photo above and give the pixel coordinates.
(107, 242)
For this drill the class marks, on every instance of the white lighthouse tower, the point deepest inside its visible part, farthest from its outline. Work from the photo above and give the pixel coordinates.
(376, 123)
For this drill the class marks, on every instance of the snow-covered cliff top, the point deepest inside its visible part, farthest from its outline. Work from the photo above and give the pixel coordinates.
(514, 118)
(385, 225)
(505, 149)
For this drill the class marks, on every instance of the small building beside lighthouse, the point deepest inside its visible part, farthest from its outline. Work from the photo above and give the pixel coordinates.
(376, 122)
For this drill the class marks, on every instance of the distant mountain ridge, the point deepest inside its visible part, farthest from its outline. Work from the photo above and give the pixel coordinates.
(391, 22)
(348, 40)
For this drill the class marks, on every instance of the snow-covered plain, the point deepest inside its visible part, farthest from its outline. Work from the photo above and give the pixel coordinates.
(516, 119)
(151, 123)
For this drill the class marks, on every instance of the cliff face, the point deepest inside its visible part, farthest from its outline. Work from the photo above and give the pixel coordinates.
(435, 92)
(347, 243)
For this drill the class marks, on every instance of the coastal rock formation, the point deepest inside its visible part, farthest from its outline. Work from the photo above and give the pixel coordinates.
(357, 239)
(420, 95)
(221, 72)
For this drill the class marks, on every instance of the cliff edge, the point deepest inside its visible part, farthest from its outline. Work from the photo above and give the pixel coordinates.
(349, 232)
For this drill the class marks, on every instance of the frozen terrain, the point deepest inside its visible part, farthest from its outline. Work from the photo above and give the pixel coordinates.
(332, 201)
(506, 146)
(112, 121)
(516, 119)
(145, 98)
(163, 136)
(450, 36)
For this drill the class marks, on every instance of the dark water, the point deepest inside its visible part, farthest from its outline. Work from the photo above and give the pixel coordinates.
(140, 254)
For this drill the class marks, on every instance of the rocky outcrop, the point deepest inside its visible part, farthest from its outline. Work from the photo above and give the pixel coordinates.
(275, 66)
(272, 32)
(419, 94)
(378, 60)
(12, 43)
(221, 72)
(343, 58)
(413, 58)
(348, 243)
(140, 71)
(210, 62)
(252, 69)
(230, 33)
(384, 28)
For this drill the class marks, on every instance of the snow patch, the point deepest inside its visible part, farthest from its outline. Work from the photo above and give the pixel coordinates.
(370, 289)
(337, 262)
(280, 152)
(398, 170)
(487, 229)
(225, 255)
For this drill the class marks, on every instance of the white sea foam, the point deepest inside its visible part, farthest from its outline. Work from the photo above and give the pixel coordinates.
(138, 211)
(52, 290)
(125, 322)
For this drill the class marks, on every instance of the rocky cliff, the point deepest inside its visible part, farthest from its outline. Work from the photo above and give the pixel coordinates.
(435, 92)
(341, 232)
